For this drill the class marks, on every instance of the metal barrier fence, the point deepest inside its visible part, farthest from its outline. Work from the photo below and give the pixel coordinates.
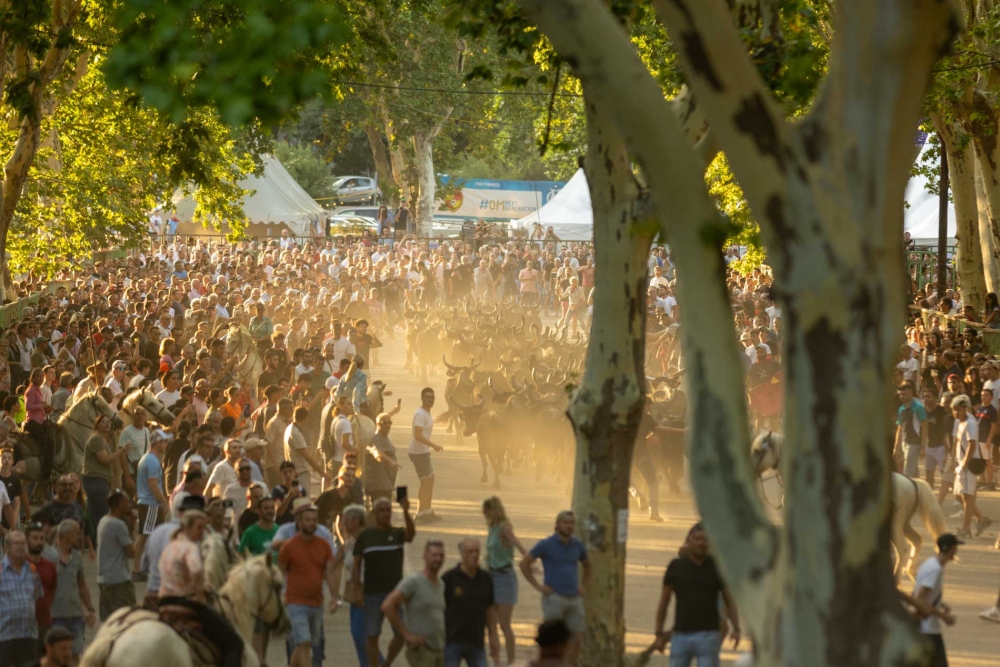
(990, 337)
(11, 312)
(922, 264)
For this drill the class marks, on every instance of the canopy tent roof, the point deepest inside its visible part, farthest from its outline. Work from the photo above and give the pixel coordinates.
(275, 198)
(921, 218)
(568, 213)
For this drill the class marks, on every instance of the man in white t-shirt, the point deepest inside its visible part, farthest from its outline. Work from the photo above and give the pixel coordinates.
(420, 454)
(657, 280)
(114, 381)
(966, 435)
(224, 474)
(992, 375)
(908, 364)
(928, 592)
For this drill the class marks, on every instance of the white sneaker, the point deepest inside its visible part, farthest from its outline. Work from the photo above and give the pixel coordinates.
(991, 614)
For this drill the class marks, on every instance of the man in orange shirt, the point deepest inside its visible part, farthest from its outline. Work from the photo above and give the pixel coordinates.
(305, 559)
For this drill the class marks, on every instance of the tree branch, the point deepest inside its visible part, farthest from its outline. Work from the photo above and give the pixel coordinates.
(719, 443)
(740, 109)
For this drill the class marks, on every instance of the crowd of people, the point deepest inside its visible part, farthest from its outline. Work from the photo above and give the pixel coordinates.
(267, 463)
(270, 461)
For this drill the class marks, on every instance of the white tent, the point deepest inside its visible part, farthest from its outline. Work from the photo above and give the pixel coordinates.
(276, 197)
(921, 218)
(568, 213)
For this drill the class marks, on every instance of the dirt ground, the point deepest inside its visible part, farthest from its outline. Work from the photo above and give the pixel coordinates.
(970, 584)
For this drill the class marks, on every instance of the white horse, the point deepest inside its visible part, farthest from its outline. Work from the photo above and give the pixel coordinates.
(909, 496)
(69, 435)
(240, 344)
(145, 399)
(134, 637)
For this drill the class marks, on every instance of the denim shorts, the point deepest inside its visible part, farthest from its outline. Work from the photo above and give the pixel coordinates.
(504, 585)
(373, 614)
(704, 646)
(306, 624)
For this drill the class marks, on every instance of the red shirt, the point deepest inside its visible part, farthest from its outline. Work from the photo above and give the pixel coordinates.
(304, 564)
(47, 573)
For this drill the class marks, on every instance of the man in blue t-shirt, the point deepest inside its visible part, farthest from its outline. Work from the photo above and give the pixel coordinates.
(562, 591)
(911, 429)
(149, 490)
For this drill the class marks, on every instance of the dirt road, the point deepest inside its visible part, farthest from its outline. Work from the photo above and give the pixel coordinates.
(970, 585)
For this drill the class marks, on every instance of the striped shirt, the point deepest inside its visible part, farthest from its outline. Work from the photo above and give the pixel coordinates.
(18, 592)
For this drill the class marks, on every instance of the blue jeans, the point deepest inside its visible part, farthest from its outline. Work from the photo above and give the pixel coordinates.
(454, 654)
(359, 635)
(306, 625)
(686, 646)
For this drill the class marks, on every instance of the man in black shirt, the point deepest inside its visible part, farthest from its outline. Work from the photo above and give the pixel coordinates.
(379, 552)
(469, 607)
(697, 625)
(939, 426)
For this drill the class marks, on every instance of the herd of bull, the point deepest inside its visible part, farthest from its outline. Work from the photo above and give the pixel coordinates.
(507, 381)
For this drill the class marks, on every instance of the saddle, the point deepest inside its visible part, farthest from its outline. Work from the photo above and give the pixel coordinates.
(203, 649)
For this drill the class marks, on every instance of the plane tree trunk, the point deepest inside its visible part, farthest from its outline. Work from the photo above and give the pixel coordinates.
(974, 247)
(979, 118)
(828, 193)
(606, 408)
(386, 179)
(423, 151)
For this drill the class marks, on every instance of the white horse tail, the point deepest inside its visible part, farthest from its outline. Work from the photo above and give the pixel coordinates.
(930, 510)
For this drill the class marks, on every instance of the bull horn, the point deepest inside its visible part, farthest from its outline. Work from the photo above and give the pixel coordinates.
(533, 377)
(451, 368)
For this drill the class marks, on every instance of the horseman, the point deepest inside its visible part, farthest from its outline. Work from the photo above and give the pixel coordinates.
(261, 327)
(182, 587)
(37, 410)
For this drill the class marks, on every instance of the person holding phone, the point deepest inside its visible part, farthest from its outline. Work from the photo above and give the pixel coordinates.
(381, 463)
(378, 552)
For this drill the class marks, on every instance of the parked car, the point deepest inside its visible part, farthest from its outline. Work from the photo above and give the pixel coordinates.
(363, 211)
(355, 190)
(350, 225)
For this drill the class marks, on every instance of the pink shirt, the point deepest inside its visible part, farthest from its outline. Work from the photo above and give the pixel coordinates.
(34, 404)
(180, 566)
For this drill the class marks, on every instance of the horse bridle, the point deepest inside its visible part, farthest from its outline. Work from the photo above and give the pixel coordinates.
(273, 592)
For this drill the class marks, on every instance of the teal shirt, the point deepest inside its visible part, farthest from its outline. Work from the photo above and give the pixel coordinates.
(498, 556)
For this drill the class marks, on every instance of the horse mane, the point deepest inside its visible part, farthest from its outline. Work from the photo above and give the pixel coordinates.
(76, 404)
(216, 561)
(131, 399)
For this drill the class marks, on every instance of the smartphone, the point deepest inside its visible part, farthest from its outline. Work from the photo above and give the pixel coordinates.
(295, 482)
(399, 402)
(228, 504)
(400, 494)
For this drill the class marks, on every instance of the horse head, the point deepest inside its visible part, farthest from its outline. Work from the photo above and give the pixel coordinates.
(765, 452)
(152, 405)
